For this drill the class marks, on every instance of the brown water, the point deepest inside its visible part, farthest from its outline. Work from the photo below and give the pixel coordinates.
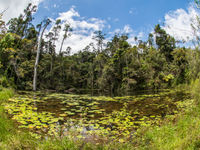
(151, 104)
(44, 112)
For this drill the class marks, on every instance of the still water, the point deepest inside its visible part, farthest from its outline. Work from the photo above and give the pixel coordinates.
(56, 114)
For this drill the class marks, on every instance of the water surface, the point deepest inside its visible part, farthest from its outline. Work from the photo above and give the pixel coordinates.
(83, 115)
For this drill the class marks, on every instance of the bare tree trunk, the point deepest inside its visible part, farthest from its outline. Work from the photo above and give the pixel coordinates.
(66, 29)
(62, 45)
(37, 58)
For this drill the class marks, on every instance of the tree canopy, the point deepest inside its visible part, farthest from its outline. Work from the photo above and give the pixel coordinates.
(112, 67)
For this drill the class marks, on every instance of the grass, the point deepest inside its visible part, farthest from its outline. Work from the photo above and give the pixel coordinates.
(5, 94)
(184, 134)
(180, 132)
(5, 124)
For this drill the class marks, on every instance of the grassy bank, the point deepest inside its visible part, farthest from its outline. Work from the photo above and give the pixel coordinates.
(178, 132)
(181, 131)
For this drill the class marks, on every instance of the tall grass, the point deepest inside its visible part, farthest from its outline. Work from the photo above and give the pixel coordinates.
(5, 94)
(182, 132)
(5, 124)
(10, 138)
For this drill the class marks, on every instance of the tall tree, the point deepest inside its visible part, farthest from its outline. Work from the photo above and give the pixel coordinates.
(165, 43)
(66, 30)
(197, 3)
(47, 22)
(99, 38)
(21, 24)
(2, 27)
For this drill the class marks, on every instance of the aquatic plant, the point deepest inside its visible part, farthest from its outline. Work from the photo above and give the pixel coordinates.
(83, 116)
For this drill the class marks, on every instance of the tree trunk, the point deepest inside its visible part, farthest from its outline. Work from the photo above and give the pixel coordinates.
(37, 58)
(62, 45)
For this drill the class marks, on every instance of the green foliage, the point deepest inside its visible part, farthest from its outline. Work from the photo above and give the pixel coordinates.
(119, 126)
(5, 94)
(114, 67)
(179, 132)
(165, 42)
(84, 116)
(5, 124)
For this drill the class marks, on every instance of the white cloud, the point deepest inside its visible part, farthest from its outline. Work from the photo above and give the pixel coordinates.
(83, 30)
(131, 34)
(132, 38)
(15, 7)
(178, 23)
(126, 30)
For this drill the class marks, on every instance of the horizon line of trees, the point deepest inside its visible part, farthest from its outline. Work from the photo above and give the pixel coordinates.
(27, 61)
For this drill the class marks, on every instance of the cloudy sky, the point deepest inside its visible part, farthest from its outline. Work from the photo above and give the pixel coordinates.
(134, 17)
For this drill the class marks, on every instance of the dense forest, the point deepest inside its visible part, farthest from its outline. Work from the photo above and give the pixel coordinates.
(29, 53)
(47, 92)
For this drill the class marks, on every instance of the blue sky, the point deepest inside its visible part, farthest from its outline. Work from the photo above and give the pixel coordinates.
(141, 15)
(134, 17)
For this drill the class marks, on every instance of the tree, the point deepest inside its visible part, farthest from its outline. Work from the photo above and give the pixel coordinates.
(56, 30)
(116, 49)
(66, 30)
(21, 24)
(180, 65)
(197, 3)
(47, 22)
(150, 40)
(165, 43)
(2, 27)
(99, 38)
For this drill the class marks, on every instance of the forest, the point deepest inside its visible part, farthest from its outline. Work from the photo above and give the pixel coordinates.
(110, 67)
(108, 95)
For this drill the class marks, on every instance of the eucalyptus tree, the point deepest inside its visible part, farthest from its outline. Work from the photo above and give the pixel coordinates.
(99, 37)
(55, 34)
(21, 24)
(67, 30)
(50, 48)
(56, 30)
(47, 22)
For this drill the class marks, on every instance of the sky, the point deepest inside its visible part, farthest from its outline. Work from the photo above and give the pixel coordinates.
(132, 17)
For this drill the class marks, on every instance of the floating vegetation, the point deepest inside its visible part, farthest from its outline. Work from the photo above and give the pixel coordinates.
(82, 116)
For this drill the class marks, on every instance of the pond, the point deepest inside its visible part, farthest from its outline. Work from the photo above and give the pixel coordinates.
(91, 117)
